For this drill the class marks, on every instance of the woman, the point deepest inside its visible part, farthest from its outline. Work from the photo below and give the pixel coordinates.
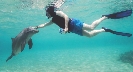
(75, 26)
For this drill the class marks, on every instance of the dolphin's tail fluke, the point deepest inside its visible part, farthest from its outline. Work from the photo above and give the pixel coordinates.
(10, 57)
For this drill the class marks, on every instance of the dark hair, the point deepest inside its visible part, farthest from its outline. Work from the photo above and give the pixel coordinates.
(51, 10)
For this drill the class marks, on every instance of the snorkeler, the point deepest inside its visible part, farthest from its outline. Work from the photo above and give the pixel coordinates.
(71, 25)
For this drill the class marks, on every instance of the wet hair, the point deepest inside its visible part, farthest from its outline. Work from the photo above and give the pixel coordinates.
(51, 10)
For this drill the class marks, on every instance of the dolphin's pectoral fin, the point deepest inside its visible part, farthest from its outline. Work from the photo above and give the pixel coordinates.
(10, 57)
(22, 46)
(30, 43)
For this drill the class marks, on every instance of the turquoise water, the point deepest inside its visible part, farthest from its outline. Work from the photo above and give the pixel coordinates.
(55, 52)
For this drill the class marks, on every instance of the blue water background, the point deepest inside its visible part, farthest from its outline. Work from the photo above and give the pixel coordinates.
(55, 52)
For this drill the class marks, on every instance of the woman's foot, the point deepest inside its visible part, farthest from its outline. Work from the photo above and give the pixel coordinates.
(106, 29)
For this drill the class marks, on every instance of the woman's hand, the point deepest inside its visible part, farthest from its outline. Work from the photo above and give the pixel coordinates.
(65, 30)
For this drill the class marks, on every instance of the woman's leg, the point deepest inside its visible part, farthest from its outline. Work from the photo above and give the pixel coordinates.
(92, 33)
(94, 24)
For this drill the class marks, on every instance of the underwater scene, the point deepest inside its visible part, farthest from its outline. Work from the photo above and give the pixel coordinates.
(50, 51)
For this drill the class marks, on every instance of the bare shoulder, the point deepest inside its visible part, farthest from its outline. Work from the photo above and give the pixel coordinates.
(60, 13)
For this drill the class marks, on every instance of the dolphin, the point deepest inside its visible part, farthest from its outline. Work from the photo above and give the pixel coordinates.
(19, 42)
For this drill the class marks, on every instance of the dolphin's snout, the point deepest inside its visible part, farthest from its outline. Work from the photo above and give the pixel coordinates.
(37, 31)
(33, 30)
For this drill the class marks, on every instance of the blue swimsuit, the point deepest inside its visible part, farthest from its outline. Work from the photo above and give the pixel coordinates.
(76, 26)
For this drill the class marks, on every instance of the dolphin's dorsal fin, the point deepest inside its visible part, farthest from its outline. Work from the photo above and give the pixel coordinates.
(30, 43)
(12, 39)
(23, 45)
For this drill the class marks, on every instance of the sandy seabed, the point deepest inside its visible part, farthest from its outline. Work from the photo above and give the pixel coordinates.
(67, 60)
